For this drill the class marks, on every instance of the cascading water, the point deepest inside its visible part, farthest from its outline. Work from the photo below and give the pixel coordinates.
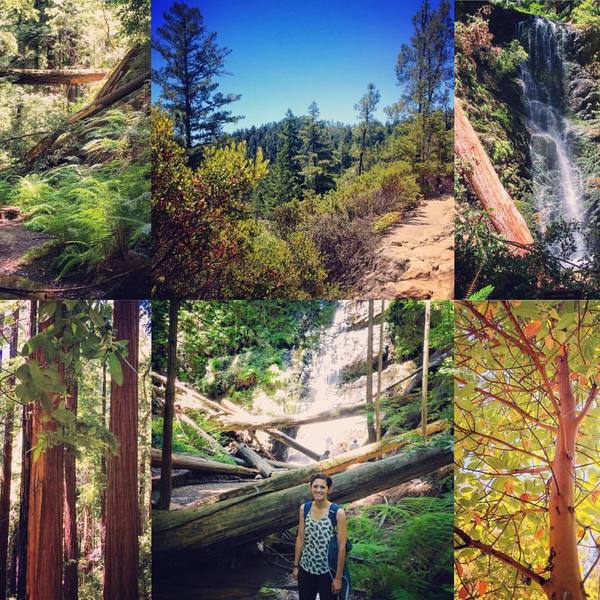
(558, 184)
(340, 346)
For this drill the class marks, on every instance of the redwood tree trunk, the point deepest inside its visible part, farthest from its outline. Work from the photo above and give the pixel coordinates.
(486, 184)
(71, 549)
(45, 515)
(26, 433)
(7, 465)
(122, 519)
(565, 582)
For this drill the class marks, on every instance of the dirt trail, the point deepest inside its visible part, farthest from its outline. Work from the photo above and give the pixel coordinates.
(414, 259)
(15, 241)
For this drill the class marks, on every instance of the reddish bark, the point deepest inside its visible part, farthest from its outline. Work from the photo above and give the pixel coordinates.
(7, 465)
(45, 514)
(565, 582)
(480, 173)
(26, 433)
(122, 519)
(70, 585)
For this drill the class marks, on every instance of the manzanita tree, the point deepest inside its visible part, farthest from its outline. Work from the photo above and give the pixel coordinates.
(528, 449)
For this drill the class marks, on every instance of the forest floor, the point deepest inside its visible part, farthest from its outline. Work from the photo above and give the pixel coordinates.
(20, 274)
(15, 270)
(414, 259)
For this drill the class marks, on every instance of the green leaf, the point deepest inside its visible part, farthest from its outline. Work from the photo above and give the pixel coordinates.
(116, 371)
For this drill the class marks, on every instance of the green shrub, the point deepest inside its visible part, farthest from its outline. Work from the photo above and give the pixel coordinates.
(386, 221)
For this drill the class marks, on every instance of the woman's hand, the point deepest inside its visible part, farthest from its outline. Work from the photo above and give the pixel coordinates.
(336, 585)
(295, 573)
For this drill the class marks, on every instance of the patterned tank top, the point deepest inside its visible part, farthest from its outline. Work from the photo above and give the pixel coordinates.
(316, 540)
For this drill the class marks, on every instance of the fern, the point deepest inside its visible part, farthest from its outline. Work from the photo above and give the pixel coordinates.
(411, 556)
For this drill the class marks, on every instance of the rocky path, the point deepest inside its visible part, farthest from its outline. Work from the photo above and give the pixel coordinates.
(414, 259)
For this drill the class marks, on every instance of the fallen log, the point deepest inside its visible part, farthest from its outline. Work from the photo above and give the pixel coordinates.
(292, 443)
(330, 466)
(482, 177)
(54, 76)
(232, 422)
(214, 529)
(196, 463)
(212, 445)
(106, 97)
(259, 463)
(186, 391)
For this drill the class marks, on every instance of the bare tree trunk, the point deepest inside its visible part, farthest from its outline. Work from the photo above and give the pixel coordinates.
(45, 515)
(7, 462)
(122, 518)
(164, 499)
(379, 375)
(53, 76)
(71, 549)
(370, 427)
(26, 434)
(425, 377)
(565, 582)
(486, 184)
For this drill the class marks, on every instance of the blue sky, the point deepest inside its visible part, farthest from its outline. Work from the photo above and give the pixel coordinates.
(287, 53)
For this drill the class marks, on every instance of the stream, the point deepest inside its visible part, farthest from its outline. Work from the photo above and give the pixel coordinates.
(558, 183)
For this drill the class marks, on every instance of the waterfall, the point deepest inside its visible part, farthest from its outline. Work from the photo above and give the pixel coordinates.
(557, 182)
(340, 345)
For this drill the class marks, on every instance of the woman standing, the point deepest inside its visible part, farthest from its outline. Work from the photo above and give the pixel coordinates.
(319, 522)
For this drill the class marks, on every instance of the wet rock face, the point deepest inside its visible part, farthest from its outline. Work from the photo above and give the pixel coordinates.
(583, 93)
(582, 49)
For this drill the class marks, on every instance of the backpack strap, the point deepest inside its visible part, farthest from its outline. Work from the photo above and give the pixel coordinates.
(333, 515)
(307, 507)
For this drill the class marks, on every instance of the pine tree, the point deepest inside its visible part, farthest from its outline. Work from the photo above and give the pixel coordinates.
(316, 155)
(189, 90)
(366, 108)
(285, 182)
(425, 66)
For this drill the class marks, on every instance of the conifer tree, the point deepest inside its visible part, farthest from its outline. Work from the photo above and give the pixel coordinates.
(425, 67)
(193, 61)
(366, 108)
(286, 183)
(316, 155)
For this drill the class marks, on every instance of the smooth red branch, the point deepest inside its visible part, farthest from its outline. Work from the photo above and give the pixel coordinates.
(469, 542)
(588, 403)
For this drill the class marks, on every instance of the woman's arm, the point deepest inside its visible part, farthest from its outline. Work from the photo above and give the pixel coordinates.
(299, 542)
(341, 538)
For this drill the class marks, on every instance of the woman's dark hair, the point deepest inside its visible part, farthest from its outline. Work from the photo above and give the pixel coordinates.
(325, 478)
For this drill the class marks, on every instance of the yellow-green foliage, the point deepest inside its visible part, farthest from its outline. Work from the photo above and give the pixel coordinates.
(587, 13)
(230, 167)
(406, 187)
(274, 268)
(386, 221)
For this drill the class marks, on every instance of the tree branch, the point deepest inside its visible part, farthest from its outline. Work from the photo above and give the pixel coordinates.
(588, 403)
(468, 541)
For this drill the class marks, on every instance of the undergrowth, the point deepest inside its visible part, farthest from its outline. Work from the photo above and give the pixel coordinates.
(404, 551)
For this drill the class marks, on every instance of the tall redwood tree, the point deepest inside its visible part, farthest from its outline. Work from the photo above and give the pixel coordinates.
(122, 516)
(45, 510)
(7, 461)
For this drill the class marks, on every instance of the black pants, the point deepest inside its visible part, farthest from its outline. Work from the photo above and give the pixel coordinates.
(309, 585)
